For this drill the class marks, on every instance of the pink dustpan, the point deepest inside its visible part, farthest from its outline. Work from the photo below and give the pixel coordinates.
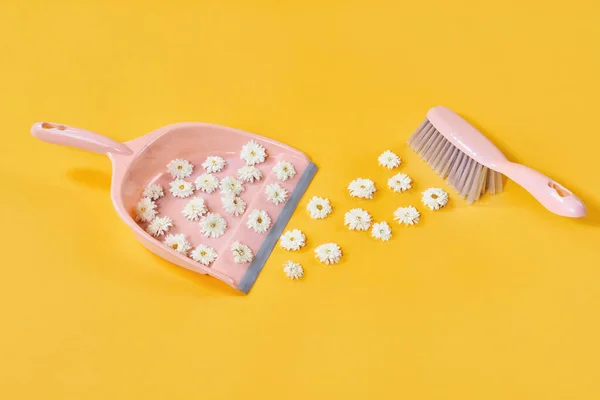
(142, 161)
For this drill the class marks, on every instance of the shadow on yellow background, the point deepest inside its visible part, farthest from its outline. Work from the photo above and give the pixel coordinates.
(498, 300)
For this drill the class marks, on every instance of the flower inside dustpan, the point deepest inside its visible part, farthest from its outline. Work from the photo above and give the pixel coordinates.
(142, 162)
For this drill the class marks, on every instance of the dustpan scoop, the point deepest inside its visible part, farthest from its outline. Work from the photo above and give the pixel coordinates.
(142, 161)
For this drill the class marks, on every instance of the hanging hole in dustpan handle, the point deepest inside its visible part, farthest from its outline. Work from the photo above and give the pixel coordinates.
(76, 137)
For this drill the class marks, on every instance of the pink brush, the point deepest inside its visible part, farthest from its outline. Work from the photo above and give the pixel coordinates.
(142, 161)
(472, 165)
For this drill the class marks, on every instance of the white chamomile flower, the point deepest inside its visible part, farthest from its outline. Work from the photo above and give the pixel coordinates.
(194, 209)
(180, 188)
(213, 225)
(154, 192)
(204, 254)
(328, 253)
(259, 221)
(214, 164)
(319, 207)
(249, 173)
(159, 226)
(145, 210)
(284, 170)
(233, 205)
(435, 198)
(178, 242)
(293, 270)
(407, 215)
(207, 183)
(231, 186)
(292, 240)
(276, 194)
(381, 231)
(399, 183)
(362, 188)
(253, 153)
(357, 219)
(180, 168)
(242, 254)
(389, 160)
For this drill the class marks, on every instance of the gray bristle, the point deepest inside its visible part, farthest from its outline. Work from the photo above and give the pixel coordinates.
(469, 178)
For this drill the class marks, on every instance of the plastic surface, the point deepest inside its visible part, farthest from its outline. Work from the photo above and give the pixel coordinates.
(463, 135)
(76, 137)
(142, 161)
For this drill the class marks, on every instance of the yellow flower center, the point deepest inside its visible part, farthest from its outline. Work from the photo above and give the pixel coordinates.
(175, 245)
(143, 209)
(259, 220)
(319, 207)
(180, 167)
(202, 253)
(252, 153)
(213, 225)
(181, 187)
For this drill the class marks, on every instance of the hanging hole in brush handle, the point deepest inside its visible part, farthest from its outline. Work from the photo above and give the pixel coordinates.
(65, 135)
(552, 195)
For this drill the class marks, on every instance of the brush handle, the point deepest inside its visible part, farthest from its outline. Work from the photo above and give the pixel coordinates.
(80, 138)
(549, 193)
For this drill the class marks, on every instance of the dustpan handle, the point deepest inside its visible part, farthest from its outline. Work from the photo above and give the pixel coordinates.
(75, 137)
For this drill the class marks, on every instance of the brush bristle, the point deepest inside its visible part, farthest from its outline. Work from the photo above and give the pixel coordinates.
(469, 178)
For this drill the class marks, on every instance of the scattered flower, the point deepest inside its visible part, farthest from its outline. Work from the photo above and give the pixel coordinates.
(145, 210)
(293, 270)
(435, 198)
(284, 170)
(362, 188)
(407, 215)
(259, 221)
(178, 243)
(319, 207)
(241, 253)
(328, 253)
(253, 153)
(180, 188)
(231, 186)
(204, 254)
(180, 168)
(213, 225)
(292, 240)
(207, 183)
(194, 209)
(389, 160)
(214, 164)
(233, 205)
(154, 192)
(276, 194)
(249, 173)
(399, 183)
(382, 231)
(159, 226)
(357, 219)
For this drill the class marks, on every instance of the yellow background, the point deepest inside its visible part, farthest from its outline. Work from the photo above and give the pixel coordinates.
(498, 300)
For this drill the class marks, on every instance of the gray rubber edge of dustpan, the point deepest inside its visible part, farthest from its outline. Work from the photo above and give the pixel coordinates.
(271, 240)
